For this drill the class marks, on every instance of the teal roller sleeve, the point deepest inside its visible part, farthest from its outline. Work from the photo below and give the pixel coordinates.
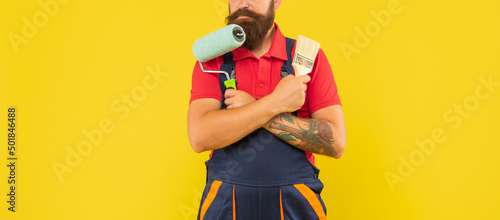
(218, 42)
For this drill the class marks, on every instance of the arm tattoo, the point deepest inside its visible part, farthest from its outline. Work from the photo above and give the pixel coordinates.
(314, 135)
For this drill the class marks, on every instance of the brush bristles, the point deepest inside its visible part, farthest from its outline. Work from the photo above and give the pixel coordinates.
(307, 47)
(305, 54)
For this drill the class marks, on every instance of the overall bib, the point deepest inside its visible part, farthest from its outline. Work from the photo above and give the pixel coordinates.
(261, 176)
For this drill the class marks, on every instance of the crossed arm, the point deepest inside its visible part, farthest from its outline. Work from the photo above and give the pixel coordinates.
(323, 134)
(210, 128)
(315, 135)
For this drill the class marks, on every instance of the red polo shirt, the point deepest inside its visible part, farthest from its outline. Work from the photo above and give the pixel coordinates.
(259, 76)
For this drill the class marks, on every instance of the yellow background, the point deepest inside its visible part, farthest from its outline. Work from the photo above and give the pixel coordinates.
(67, 77)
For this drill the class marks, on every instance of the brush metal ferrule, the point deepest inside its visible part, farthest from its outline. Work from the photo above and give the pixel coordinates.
(303, 60)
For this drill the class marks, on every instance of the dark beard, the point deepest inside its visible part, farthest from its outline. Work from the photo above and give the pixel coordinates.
(255, 26)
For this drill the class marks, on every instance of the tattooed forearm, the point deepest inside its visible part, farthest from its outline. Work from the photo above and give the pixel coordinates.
(311, 135)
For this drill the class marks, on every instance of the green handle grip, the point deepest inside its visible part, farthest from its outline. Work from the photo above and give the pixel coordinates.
(230, 84)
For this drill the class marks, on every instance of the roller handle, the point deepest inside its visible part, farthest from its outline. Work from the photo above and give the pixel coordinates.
(230, 84)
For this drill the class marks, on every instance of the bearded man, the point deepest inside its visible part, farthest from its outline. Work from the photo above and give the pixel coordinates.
(263, 135)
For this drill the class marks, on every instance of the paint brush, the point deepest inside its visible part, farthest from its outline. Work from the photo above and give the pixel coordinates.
(305, 53)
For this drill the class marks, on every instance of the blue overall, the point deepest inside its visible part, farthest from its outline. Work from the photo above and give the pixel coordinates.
(261, 176)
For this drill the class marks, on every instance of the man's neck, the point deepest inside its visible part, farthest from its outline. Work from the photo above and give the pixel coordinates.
(266, 43)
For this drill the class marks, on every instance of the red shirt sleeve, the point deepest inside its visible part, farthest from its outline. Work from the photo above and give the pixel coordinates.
(206, 85)
(321, 90)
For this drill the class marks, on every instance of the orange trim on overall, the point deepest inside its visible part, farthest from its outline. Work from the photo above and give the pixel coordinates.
(234, 205)
(281, 207)
(312, 199)
(210, 197)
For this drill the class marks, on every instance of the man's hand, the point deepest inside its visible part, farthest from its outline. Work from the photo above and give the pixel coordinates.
(289, 94)
(237, 98)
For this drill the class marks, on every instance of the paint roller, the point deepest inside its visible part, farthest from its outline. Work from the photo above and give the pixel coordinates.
(216, 44)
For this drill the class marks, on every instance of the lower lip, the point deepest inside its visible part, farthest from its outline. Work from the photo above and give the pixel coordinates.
(243, 16)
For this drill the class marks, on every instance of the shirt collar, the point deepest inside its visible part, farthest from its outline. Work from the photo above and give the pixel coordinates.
(276, 50)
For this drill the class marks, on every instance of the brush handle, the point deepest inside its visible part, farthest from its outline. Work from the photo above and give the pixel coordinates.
(300, 70)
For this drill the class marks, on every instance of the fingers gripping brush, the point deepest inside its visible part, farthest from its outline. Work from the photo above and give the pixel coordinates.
(216, 44)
